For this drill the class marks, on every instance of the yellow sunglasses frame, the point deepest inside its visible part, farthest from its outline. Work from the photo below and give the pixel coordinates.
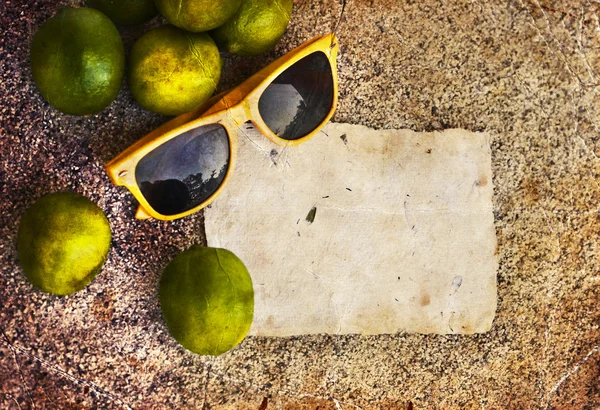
(230, 109)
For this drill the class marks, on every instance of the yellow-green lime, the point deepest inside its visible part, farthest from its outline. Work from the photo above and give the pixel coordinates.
(78, 61)
(126, 12)
(207, 299)
(255, 28)
(63, 241)
(173, 71)
(197, 15)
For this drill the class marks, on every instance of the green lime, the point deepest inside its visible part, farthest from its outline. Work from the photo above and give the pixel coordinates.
(173, 71)
(63, 241)
(78, 61)
(126, 12)
(207, 299)
(197, 15)
(255, 28)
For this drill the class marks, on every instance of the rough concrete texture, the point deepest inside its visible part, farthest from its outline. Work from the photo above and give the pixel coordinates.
(524, 71)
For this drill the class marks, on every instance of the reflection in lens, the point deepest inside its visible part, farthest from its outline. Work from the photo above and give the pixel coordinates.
(299, 99)
(183, 172)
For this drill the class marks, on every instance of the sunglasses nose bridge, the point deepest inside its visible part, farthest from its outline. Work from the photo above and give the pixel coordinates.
(233, 108)
(239, 113)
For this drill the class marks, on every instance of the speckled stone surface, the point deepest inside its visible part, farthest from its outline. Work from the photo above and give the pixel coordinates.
(524, 71)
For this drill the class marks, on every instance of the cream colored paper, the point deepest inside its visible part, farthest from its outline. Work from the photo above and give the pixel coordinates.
(402, 238)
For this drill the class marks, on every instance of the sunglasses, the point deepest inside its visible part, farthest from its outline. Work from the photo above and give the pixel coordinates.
(182, 166)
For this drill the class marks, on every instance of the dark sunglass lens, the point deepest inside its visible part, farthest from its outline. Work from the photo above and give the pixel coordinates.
(185, 171)
(300, 98)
